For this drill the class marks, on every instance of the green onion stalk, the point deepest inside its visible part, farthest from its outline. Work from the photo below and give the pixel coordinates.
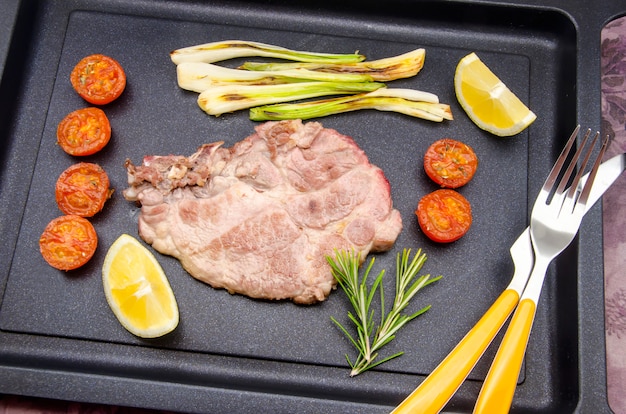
(200, 76)
(229, 49)
(229, 98)
(423, 106)
(383, 70)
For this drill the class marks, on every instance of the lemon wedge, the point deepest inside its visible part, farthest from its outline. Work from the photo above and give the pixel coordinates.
(487, 100)
(137, 289)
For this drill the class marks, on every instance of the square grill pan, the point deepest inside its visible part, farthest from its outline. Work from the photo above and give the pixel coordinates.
(59, 339)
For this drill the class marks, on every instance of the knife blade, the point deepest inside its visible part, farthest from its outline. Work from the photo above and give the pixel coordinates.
(437, 389)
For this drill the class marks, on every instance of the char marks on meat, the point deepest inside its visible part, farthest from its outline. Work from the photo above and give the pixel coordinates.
(259, 218)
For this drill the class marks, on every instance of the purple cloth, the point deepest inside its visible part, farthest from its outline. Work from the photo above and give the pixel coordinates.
(614, 212)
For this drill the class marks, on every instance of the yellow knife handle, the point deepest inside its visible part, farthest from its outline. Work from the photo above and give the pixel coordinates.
(437, 389)
(497, 392)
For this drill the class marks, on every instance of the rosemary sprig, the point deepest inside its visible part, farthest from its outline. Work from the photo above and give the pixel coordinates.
(370, 339)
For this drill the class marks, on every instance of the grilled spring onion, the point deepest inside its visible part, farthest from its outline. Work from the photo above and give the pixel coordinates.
(200, 76)
(407, 101)
(229, 49)
(373, 334)
(230, 98)
(382, 70)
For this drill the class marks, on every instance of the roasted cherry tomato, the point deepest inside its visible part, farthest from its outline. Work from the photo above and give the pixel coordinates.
(444, 215)
(450, 163)
(82, 189)
(84, 132)
(98, 79)
(68, 242)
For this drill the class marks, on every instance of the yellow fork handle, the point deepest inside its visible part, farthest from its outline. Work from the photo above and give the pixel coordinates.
(437, 389)
(497, 392)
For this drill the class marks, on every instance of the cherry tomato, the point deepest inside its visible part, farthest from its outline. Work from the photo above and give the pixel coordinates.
(98, 79)
(68, 242)
(450, 163)
(444, 215)
(84, 132)
(82, 189)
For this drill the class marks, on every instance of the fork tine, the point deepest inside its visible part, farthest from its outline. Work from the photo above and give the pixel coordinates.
(584, 195)
(556, 169)
(573, 190)
(570, 168)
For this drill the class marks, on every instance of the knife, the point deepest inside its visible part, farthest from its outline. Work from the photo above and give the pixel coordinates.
(437, 389)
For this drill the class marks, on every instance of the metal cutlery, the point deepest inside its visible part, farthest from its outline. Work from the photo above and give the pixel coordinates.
(554, 223)
(436, 390)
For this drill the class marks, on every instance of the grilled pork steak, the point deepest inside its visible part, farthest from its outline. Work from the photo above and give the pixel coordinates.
(259, 218)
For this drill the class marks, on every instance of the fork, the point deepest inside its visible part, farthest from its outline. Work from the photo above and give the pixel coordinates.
(554, 222)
